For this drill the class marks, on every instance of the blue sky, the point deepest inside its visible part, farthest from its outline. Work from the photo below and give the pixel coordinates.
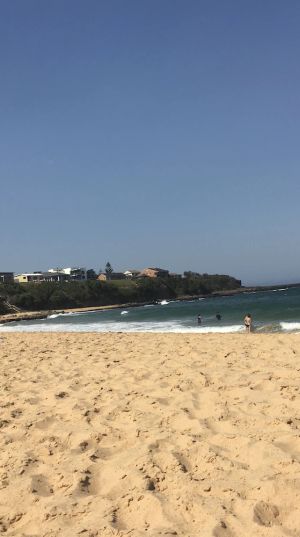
(151, 133)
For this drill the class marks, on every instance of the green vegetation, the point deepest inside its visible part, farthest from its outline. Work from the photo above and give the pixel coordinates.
(109, 270)
(90, 293)
(3, 307)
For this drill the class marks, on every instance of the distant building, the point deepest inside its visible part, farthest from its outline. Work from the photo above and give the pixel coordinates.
(6, 277)
(38, 277)
(75, 273)
(27, 277)
(154, 273)
(132, 273)
(113, 276)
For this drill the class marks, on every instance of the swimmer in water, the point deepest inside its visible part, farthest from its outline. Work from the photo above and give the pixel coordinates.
(248, 322)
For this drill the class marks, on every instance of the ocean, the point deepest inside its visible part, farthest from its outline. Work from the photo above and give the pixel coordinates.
(272, 311)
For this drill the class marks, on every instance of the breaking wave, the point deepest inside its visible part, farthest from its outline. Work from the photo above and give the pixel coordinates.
(290, 326)
(69, 314)
(159, 327)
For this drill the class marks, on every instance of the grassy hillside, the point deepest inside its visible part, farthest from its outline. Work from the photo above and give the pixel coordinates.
(51, 295)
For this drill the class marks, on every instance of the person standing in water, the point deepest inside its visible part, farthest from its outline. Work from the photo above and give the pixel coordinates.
(199, 318)
(248, 322)
(218, 316)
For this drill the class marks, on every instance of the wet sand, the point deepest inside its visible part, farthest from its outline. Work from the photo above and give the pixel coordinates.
(149, 434)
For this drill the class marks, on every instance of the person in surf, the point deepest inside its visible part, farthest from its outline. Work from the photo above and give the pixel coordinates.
(248, 322)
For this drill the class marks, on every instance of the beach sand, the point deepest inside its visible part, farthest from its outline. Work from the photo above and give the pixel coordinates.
(149, 434)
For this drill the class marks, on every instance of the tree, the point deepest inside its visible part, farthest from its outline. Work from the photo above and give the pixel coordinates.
(91, 274)
(108, 270)
(190, 274)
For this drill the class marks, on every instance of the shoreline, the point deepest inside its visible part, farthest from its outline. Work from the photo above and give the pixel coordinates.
(43, 314)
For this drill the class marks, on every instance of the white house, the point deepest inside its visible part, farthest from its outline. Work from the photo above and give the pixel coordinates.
(75, 273)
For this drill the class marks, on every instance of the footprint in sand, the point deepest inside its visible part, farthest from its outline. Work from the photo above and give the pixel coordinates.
(86, 485)
(83, 446)
(182, 463)
(4, 423)
(265, 514)
(28, 462)
(45, 422)
(40, 485)
(16, 413)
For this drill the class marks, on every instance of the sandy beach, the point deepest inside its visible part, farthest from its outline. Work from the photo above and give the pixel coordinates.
(150, 434)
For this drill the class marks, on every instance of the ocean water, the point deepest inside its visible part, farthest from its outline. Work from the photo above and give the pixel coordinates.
(272, 311)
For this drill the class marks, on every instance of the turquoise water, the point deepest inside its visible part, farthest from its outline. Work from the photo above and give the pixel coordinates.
(277, 310)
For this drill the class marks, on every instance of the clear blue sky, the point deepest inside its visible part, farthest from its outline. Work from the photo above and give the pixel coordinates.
(151, 133)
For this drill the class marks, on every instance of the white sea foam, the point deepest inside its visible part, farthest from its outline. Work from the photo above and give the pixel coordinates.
(221, 329)
(159, 327)
(124, 312)
(73, 314)
(69, 314)
(290, 326)
(164, 303)
(276, 290)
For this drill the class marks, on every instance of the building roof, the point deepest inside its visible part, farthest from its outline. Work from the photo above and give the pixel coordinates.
(30, 274)
(42, 274)
(158, 269)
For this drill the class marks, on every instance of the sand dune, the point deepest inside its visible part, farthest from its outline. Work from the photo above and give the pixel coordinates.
(142, 434)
